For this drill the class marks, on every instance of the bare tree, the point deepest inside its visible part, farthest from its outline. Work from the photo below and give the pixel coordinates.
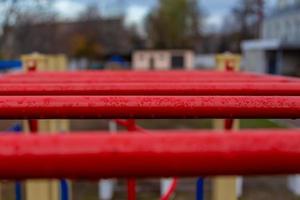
(19, 15)
(243, 23)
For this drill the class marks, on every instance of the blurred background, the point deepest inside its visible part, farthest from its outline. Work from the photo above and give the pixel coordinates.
(98, 34)
(158, 34)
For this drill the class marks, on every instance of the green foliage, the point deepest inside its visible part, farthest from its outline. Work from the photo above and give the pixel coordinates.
(175, 24)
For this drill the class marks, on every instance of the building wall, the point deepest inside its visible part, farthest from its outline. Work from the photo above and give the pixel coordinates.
(189, 60)
(161, 59)
(283, 25)
(254, 61)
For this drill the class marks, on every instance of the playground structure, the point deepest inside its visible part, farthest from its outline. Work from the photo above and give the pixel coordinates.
(137, 95)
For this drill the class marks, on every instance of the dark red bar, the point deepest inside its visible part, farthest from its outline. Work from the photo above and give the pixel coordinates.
(182, 89)
(157, 154)
(128, 107)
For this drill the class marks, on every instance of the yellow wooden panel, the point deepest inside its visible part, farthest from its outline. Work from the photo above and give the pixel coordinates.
(224, 188)
(45, 189)
(61, 62)
(228, 62)
(39, 60)
(42, 190)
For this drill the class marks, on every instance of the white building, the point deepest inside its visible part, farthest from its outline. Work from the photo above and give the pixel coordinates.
(162, 59)
(278, 50)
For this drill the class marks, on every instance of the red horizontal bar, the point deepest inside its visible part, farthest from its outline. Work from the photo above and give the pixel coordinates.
(139, 80)
(184, 89)
(159, 74)
(115, 107)
(96, 73)
(181, 154)
(133, 76)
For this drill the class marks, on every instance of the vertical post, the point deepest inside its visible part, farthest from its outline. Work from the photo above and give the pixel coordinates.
(131, 183)
(165, 184)
(18, 190)
(200, 189)
(226, 188)
(106, 187)
(64, 187)
(131, 189)
(45, 189)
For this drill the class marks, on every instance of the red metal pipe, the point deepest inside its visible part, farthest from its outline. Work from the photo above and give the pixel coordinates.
(45, 80)
(150, 74)
(97, 73)
(161, 154)
(33, 126)
(71, 77)
(228, 124)
(112, 107)
(131, 189)
(131, 126)
(193, 89)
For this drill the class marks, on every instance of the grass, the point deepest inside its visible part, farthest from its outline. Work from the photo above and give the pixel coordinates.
(164, 124)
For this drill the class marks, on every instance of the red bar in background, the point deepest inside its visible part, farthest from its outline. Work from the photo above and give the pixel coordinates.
(128, 107)
(182, 89)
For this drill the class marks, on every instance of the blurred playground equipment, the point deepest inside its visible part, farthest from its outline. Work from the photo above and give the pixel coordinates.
(44, 94)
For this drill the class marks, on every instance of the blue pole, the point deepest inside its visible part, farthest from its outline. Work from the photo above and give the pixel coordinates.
(200, 189)
(18, 190)
(18, 186)
(64, 190)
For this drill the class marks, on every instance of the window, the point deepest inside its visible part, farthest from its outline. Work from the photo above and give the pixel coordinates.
(177, 62)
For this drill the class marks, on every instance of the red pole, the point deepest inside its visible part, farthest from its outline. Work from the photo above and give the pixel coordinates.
(112, 107)
(159, 154)
(28, 80)
(144, 74)
(184, 89)
(33, 126)
(104, 73)
(131, 183)
(32, 123)
(131, 189)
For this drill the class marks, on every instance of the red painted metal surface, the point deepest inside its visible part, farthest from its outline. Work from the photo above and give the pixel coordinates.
(184, 89)
(130, 73)
(45, 107)
(131, 126)
(131, 189)
(48, 80)
(181, 154)
(141, 77)
(33, 126)
(137, 74)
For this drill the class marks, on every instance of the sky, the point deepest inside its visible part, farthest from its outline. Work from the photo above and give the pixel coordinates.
(136, 10)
